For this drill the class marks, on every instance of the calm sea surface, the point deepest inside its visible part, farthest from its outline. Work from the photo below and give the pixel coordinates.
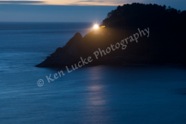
(93, 95)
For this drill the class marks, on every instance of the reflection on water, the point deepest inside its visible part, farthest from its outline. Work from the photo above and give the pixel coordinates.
(94, 95)
(96, 99)
(96, 87)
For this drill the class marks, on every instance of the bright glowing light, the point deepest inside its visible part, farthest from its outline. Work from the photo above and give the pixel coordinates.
(95, 26)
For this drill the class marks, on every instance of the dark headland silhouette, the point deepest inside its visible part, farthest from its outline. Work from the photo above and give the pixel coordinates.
(165, 45)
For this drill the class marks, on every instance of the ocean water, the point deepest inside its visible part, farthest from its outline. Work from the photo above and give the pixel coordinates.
(94, 95)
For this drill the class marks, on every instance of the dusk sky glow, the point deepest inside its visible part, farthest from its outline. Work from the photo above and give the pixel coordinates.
(67, 10)
(177, 3)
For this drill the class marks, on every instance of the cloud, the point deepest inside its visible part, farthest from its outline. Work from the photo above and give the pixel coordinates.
(98, 2)
(20, 2)
(177, 4)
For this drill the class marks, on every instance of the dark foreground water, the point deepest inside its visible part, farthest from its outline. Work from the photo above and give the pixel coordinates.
(94, 95)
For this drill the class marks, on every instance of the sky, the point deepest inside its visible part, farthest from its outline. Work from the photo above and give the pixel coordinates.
(68, 10)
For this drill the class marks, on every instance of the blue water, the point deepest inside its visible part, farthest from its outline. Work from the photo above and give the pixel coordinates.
(94, 95)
